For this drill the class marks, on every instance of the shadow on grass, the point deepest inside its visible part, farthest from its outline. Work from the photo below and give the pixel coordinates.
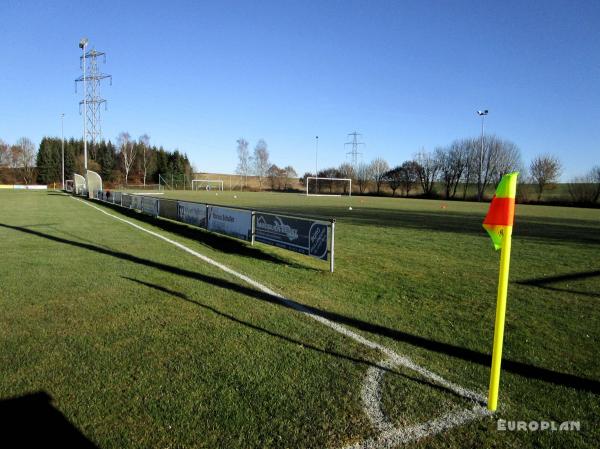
(469, 355)
(218, 242)
(184, 297)
(567, 229)
(31, 421)
(542, 282)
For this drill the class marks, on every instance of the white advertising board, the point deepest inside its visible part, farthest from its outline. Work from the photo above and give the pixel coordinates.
(233, 222)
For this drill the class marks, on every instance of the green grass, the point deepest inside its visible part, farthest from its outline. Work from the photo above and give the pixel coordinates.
(141, 345)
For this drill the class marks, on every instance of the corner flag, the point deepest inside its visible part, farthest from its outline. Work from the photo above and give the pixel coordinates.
(498, 223)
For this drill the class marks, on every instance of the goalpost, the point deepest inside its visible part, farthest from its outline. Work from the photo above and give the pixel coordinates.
(205, 184)
(329, 185)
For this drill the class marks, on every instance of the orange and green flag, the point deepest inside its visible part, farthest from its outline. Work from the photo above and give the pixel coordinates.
(499, 219)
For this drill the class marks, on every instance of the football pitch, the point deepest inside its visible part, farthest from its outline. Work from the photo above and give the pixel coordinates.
(137, 343)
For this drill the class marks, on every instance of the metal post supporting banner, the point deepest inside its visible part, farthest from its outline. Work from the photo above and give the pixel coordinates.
(253, 221)
(332, 250)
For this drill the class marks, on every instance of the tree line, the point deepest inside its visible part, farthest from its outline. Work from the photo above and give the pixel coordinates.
(129, 161)
(465, 169)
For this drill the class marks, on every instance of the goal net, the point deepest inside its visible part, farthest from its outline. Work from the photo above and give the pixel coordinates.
(207, 184)
(317, 186)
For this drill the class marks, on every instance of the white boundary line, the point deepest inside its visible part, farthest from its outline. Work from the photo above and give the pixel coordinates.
(389, 436)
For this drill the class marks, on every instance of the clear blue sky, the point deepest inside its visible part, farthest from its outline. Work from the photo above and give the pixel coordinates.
(198, 75)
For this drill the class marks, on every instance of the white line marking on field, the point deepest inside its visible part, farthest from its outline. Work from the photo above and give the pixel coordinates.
(389, 436)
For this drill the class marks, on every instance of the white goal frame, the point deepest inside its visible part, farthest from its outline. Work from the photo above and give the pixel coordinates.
(207, 181)
(327, 179)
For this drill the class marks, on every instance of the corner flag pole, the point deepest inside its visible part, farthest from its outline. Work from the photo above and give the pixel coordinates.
(500, 318)
(499, 224)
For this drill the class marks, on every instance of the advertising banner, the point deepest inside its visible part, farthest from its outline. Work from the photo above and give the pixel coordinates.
(150, 206)
(295, 234)
(117, 197)
(126, 200)
(167, 208)
(192, 213)
(136, 202)
(234, 222)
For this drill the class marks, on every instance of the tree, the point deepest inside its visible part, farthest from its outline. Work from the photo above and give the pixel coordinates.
(289, 175)
(497, 158)
(409, 175)
(127, 152)
(379, 168)
(394, 179)
(595, 178)
(261, 161)
(49, 160)
(453, 161)
(144, 143)
(274, 173)
(243, 159)
(347, 171)
(23, 159)
(544, 169)
(586, 189)
(4, 153)
(363, 175)
(330, 172)
(427, 168)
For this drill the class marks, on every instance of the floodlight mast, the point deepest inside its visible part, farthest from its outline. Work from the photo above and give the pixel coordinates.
(62, 130)
(482, 114)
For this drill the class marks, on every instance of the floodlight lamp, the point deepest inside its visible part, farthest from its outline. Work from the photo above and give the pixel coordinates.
(83, 42)
(484, 112)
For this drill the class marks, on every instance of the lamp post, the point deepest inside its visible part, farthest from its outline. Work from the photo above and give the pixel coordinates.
(482, 114)
(83, 44)
(62, 134)
(316, 164)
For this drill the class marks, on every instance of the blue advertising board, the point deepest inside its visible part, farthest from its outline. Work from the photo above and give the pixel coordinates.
(295, 234)
(192, 213)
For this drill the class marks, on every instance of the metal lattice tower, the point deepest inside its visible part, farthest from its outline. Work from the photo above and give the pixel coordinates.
(93, 76)
(355, 144)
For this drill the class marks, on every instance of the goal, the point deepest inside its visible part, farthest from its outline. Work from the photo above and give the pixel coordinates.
(317, 186)
(207, 184)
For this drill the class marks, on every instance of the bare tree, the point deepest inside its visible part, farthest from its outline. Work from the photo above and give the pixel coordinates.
(544, 169)
(243, 160)
(289, 175)
(23, 158)
(275, 174)
(583, 189)
(346, 170)
(471, 153)
(595, 178)
(261, 161)
(4, 153)
(128, 153)
(409, 175)
(498, 158)
(453, 162)
(144, 142)
(379, 168)
(363, 175)
(394, 179)
(428, 167)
